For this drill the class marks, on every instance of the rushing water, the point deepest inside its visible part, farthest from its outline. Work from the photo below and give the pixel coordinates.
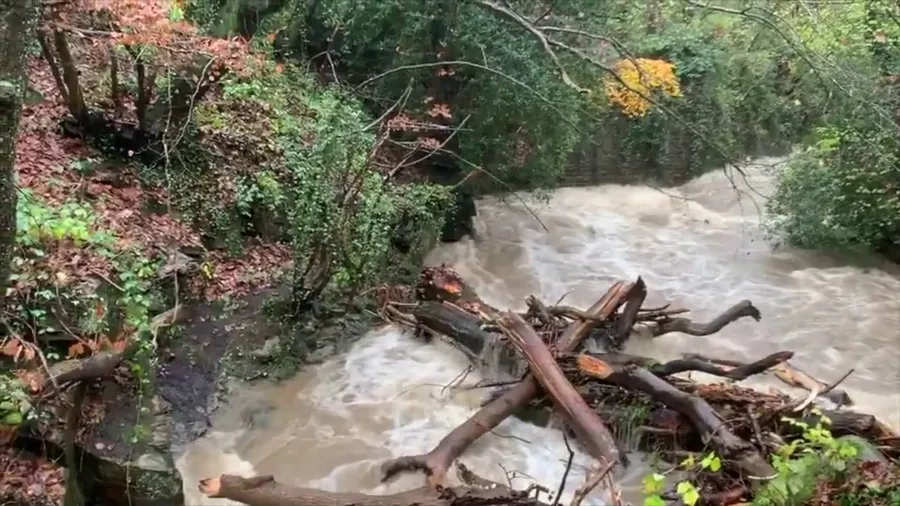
(697, 245)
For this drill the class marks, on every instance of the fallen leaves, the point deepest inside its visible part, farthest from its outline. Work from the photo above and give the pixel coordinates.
(260, 266)
(30, 479)
(15, 348)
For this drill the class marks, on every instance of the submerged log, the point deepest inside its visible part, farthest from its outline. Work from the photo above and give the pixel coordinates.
(460, 326)
(436, 462)
(590, 430)
(265, 491)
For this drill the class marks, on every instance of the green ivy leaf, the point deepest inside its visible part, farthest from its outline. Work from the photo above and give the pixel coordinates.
(13, 418)
(711, 462)
(688, 492)
(653, 483)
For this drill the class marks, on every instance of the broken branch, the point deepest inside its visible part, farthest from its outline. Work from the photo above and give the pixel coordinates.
(686, 326)
(712, 429)
(436, 462)
(587, 425)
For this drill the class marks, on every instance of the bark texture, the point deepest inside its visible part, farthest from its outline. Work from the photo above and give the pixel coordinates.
(16, 29)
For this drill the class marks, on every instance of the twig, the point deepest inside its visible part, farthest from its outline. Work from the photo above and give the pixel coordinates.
(834, 385)
(503, 183)
(465, 63)
(757, 432)
(434, 150)
(545, 43)
(562, 482)
(105, 278)
(399, 102)
(458, 379)
(590, 483)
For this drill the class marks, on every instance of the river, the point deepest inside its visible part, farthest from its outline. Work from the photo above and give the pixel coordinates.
(697, 245)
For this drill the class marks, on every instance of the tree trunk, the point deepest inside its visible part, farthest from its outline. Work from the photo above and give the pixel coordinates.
(76, 103)
(16, 27)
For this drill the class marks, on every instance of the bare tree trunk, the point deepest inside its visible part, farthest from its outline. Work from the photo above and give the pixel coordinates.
(54, 69)
(16, 27)
(76, 103)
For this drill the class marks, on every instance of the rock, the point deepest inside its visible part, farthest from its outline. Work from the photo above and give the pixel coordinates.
(269, 349)
(459, 220)
(256, 414)
(127, 471)
(177, 263)
(149, 480)
(118, 467)
(867, 452)
(33, 96)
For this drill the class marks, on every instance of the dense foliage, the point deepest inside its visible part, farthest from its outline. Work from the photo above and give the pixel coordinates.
(843, 189)
(339, 213)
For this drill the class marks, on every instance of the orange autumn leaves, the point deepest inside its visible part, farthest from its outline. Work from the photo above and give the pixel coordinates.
(641, 76)
(160, 24)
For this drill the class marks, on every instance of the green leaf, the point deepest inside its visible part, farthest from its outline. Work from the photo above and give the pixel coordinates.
(13, 418)
(688, 492)
(653, 483)
(654, 500)
(711, 462)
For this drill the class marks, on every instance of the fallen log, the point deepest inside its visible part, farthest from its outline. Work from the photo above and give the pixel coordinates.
(590, 430)
(467, 332)
(265, 491)
(104, 363)
(732, 448)
(436, 462)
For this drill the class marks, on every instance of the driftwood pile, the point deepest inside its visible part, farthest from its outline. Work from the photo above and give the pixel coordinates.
(545, 349)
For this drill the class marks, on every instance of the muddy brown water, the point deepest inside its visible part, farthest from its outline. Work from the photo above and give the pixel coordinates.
(697, 245)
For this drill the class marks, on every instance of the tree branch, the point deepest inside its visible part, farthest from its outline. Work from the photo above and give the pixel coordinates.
(514, 16)
(686, 326)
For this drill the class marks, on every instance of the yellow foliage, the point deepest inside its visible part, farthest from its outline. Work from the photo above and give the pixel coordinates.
(645, 77)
